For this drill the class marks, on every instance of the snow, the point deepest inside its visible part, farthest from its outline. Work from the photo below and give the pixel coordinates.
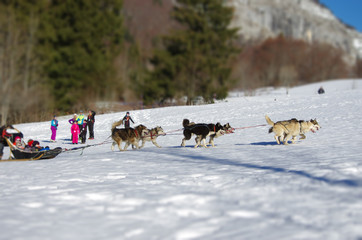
(246, 187)
(357, 43)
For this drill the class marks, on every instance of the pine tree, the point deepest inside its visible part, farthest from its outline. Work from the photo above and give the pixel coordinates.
(195, 59)
(78, 41)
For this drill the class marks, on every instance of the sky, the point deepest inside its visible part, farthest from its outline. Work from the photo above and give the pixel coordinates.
(349, 11)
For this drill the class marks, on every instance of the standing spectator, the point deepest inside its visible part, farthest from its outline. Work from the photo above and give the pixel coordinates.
(83, 132)
(54, 127)
(3, 135)
(90, 122)
(75, 133)
(126, 120)
(80, 120)
(71, 121)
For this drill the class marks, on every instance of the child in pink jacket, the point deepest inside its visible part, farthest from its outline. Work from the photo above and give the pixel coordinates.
(75, 132)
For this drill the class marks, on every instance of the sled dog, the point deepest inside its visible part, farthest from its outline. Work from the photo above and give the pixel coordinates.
(284, 130)
(201, 130)
(226, 129)
(151, 135)
(127, 135)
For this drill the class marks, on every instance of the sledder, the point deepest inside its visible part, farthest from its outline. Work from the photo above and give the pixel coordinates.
(31, 154)
(20, 153)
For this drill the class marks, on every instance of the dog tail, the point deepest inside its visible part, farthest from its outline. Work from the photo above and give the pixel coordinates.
(268, 120)
(116, 124)
(185, 122)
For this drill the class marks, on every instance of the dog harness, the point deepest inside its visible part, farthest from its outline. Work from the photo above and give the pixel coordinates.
(300, 127)
(151, 135)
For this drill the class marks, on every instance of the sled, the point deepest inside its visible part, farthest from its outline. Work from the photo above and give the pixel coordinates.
(17, 154)
(21, 160)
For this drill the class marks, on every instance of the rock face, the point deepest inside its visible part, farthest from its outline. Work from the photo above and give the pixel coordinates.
(256, 19)
(300, 19)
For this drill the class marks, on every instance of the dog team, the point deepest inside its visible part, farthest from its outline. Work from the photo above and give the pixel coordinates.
(283, 130)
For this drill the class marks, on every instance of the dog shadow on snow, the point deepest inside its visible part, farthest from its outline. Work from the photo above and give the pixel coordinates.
(221, 161)
(272, 143)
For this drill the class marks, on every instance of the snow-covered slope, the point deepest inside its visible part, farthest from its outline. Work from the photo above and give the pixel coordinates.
(246, 187)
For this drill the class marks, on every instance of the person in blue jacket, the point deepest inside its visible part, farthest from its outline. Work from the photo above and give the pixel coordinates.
(54, 127)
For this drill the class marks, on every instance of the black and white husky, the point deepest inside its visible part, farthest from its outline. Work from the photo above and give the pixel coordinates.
(201, 130)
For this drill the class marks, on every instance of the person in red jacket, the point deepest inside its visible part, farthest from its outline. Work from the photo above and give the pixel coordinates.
(3, 135)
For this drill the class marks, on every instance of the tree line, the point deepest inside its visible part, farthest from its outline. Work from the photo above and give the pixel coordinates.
(58, 56)
(289, 62)
(61, 55)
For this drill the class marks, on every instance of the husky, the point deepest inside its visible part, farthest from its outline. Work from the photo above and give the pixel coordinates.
(226, 129)
(128, 135)
(151, 135)
(284, 130)
(201, 130)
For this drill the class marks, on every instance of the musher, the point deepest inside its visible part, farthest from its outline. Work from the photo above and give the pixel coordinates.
(3, 135)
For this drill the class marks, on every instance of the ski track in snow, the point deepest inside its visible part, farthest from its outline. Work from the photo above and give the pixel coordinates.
(246, 187)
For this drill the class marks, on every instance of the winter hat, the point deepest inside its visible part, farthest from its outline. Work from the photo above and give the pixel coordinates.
(30, 142)
(17, 138)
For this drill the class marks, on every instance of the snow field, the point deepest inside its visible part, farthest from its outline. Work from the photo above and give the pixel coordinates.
(246, 187)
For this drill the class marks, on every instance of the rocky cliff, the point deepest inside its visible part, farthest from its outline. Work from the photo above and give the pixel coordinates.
(301, 19)
(256, 19)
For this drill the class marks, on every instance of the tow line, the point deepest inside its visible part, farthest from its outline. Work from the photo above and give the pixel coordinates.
(261, 125)
(87, 146)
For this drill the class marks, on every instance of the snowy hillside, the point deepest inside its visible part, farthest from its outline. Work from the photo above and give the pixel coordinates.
(246, 187)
